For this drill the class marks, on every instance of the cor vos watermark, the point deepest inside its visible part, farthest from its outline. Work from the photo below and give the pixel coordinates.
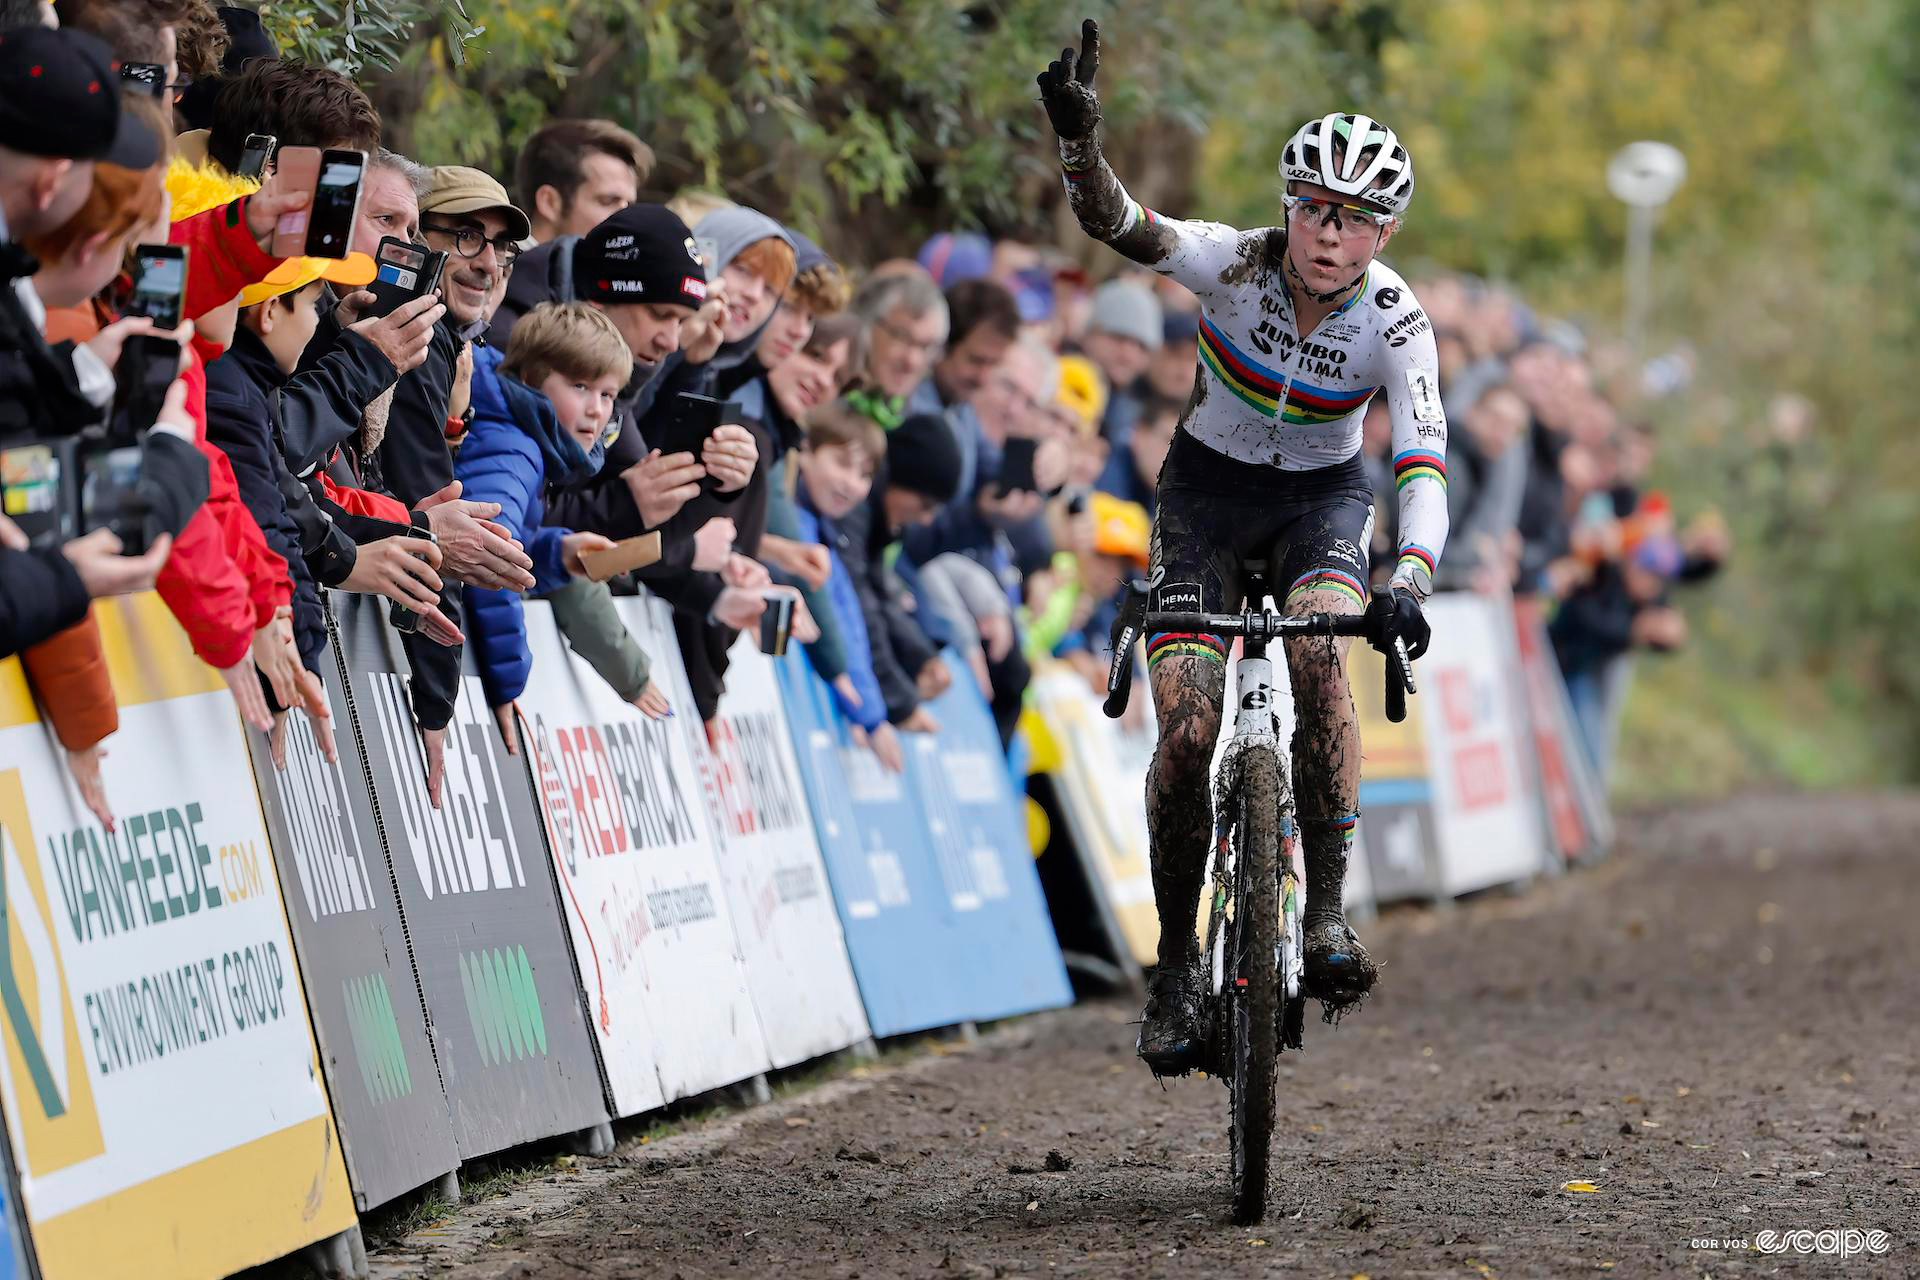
(1832, 1242)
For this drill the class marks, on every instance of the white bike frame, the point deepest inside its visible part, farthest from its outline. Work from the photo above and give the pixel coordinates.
(1257, 724)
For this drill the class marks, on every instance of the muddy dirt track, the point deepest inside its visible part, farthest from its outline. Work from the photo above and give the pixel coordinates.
(1718, 1029)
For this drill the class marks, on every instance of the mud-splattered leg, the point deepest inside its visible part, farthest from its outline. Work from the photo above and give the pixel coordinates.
(1187, 695)
(1326, 777)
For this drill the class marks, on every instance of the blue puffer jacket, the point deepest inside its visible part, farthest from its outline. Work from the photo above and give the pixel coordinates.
(514, 450)
(871, 711)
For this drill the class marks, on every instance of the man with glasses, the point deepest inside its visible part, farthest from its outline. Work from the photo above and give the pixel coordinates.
(907, 318)
(1301, 327)
(468, 215)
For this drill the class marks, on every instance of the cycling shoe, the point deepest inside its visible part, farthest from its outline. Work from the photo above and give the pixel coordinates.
(1171, 1037)
(1339, 972)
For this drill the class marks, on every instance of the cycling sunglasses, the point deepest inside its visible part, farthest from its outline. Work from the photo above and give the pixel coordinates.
(1310, 211)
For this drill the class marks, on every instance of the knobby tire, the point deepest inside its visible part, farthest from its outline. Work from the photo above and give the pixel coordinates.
(1254, 959)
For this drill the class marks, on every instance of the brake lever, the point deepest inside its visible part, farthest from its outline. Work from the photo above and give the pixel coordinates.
(1126, 630)
(1399, 680)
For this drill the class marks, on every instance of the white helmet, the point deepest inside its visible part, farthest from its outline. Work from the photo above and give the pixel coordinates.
(1354, 155)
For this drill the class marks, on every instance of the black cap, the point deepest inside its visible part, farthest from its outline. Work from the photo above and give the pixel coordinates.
(923, 456)
(60, 98)
(246, 40)
(642, 254)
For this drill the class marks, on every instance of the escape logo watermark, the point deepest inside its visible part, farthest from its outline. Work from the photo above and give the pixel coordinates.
(1833, 1242)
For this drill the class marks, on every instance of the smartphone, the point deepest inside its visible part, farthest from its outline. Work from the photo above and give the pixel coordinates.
(403, 271)
(1016, 465)
(336, 199)
(403, 619)
(146, 370)
(145, 77)
(255, 156)
(692, 419)
(110, 497)
(298, 169)
(159, 284)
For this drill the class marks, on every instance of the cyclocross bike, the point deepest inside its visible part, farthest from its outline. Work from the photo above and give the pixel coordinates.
(1254, 950)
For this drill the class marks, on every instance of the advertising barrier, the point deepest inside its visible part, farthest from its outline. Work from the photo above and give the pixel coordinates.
(355, 959)
(159, 1066)
(1483, 804)
(640, 887)
(973, 819)
(885, 887)
(478, 898)
(797, 966)
(1397, 841)
(1573, 801)
(1102, 802)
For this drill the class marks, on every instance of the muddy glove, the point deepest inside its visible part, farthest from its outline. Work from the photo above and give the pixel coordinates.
(1396, 613)
(1066, 87)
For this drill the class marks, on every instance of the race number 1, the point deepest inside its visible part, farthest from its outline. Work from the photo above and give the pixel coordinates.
(1425, 396)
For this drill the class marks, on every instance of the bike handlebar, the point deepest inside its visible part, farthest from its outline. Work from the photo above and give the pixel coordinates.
(1135, 621)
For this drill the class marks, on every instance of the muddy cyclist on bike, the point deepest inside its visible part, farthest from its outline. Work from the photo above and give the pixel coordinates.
(1300, 329)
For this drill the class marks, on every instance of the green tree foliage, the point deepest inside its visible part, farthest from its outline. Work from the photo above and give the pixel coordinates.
(837, 110)
(353, 35)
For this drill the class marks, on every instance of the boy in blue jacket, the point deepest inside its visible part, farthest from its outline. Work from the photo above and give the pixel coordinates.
(539, 415)
(843, 451)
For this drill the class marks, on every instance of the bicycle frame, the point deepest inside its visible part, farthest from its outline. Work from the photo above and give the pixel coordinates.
(1255, 727)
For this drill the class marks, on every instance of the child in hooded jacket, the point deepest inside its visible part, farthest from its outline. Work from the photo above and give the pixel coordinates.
(540, 413)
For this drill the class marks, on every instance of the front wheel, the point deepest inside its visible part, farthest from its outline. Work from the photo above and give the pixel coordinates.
(1254, 987)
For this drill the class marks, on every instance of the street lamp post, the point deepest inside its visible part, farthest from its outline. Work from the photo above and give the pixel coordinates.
(1643, 176)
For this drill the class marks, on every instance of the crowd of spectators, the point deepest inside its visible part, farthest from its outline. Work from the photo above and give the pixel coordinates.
(957, 450)
(1548, 458)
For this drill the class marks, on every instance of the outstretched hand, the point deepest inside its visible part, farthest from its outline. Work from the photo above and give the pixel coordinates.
(1066, 86)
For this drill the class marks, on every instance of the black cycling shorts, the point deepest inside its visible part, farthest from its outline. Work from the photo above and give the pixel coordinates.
(1216, 513)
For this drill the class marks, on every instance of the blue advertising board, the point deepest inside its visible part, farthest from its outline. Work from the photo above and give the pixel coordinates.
(991, 889)
(944, 926)
(885, 885)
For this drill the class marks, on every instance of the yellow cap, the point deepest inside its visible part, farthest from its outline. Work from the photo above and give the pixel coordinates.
(352, 272)
(1083, 390)
(1120, 528)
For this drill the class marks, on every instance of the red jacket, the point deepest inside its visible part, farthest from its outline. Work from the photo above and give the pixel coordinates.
(365, 502)
(216, 595)
(223, 582)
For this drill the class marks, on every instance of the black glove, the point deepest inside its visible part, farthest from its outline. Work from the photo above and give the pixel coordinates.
(173, 483)
(1396, 613)
(1066, 86)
